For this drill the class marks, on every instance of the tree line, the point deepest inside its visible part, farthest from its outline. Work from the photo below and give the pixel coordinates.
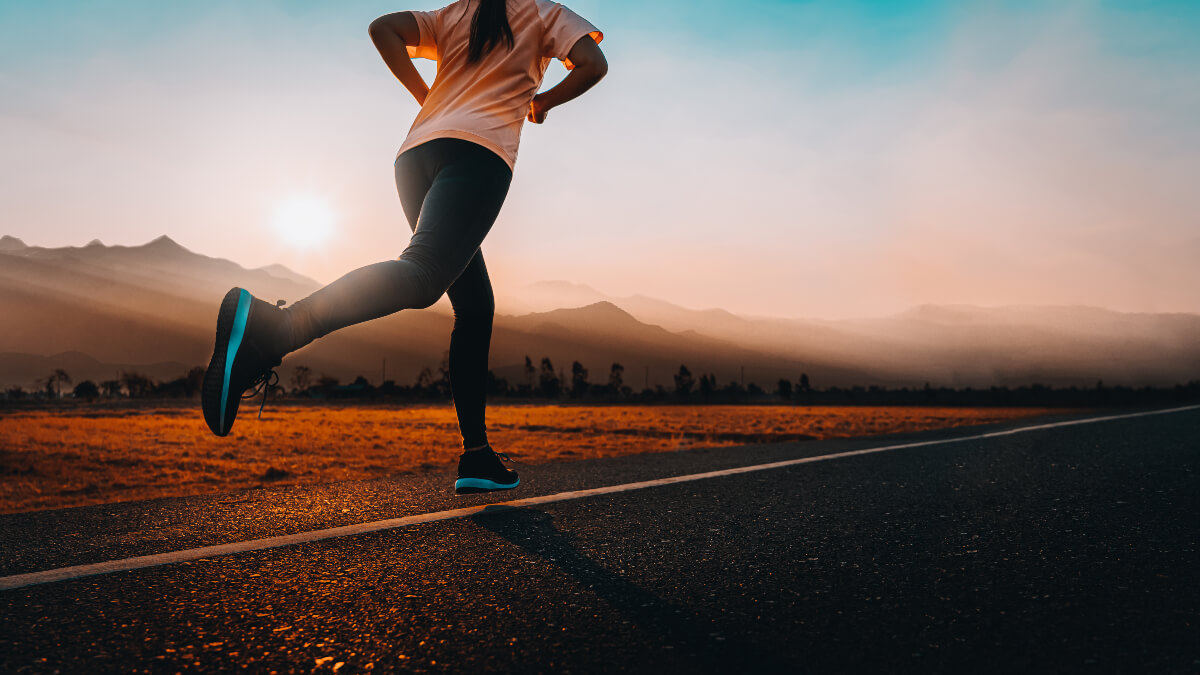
(539, 380)
(127, 384)
(543, 382)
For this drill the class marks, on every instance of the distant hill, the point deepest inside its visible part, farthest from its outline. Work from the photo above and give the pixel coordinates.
(281, 272)
(27, 369)
(156, 304)
(945, 345)
(9, 243)
(153, 307)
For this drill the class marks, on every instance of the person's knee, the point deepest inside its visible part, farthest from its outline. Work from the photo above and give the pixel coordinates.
(425, 298)
(475, 317)
(429, 289)
(483, 307)
(423, 283)
(479, 307)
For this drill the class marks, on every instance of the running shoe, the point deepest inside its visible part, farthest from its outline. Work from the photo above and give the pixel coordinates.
(247, 350)
(482, 471)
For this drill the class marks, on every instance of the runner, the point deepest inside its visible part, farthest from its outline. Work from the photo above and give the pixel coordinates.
(452, 173)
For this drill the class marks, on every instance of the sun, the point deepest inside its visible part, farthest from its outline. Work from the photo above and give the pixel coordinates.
(302, 220)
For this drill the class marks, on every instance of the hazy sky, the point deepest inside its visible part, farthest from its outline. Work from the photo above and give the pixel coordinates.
(822, 159)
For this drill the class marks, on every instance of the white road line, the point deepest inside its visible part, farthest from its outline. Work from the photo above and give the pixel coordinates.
(139, 562)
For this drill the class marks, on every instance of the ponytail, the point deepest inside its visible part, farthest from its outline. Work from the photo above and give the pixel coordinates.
(489, 28)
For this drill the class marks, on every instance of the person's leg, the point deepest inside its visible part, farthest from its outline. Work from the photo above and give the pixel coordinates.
(467, 186)
(474, 306)
(454, 190)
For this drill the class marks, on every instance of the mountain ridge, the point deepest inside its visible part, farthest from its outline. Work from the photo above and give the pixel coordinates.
(156, 303)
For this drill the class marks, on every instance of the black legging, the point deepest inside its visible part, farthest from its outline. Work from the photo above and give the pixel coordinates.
(451, 191)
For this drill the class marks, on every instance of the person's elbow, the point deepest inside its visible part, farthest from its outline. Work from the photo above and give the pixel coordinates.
(594, 67)
(585, 56)
(377, 28)
(599, 68)
(397, 25)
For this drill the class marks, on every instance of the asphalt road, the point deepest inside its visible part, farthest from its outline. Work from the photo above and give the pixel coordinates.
(1058, 550)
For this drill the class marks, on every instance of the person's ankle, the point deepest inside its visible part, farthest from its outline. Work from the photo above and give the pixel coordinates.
(287, 331)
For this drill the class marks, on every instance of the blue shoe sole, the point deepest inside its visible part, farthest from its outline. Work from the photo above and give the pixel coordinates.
(218, 402)
(464, 486)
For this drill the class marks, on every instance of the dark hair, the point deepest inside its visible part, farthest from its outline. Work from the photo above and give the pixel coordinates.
(489, 28)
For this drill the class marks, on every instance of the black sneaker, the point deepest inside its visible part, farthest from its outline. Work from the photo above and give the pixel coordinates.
(482, 471)
(247, 349)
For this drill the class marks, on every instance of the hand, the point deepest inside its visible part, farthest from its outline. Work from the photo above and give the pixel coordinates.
(537, 111)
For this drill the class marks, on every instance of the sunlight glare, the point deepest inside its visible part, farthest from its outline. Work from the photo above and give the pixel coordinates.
(302, 220)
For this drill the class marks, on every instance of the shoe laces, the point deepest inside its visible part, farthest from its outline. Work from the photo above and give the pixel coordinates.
(263, 383)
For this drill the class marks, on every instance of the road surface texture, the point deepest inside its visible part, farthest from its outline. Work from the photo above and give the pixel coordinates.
(1061, 549)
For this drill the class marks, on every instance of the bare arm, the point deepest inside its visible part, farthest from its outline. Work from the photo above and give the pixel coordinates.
(590, 67)
(392, 33)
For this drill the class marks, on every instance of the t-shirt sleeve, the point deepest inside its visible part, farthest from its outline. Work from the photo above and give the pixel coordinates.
(563, 28)
(430, 24)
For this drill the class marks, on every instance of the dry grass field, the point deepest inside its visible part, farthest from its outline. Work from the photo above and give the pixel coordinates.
(73, 457)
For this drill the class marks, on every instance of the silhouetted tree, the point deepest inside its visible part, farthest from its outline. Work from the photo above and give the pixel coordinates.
(136, 384)
(804, 382)
(301, 379)
(15, 392)
(683, 381)
(111, 388)
(178, 387)
(86, 390)
(708, 384)
(733, 389)
(55, 382)
(442, 385)
(579, 383)
(530, 371)
(754, 389)
(548, 381)
(616, 378)
(785, 389)
(425, 380)
(496, 385)
(194, 380)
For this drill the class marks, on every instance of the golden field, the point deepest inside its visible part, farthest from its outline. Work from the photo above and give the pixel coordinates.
(86, 455)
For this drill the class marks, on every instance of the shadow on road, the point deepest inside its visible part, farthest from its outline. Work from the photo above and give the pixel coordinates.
(676, 633)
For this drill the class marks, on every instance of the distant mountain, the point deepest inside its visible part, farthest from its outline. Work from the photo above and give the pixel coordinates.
(157, 303)
(952, 345)
(153, 308)
(601, 334)
(544, 296)
(27, 369)
(9, 243)
(281, 272)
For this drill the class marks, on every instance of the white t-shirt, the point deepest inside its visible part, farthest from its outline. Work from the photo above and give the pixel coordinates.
(486, 102)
